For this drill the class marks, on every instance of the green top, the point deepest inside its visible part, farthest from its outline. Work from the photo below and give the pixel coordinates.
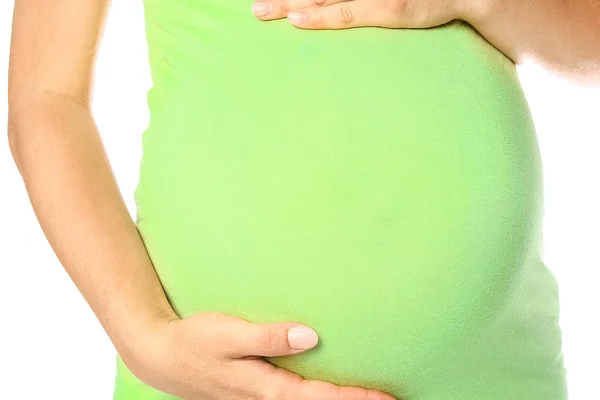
(382, 186)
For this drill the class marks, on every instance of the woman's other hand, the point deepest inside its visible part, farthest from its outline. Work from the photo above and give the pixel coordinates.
(561, 36)
(342, 14)
(217, 356)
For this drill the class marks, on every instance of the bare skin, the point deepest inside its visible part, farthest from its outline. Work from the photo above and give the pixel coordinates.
(60, 156)
(561, 35)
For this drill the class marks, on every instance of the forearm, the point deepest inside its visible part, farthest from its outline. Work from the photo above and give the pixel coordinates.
(560, 35)
(60, 155)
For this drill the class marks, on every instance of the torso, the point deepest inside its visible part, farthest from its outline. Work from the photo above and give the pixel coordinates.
(382, 186)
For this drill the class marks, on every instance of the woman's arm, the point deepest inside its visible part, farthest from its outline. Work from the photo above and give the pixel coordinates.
(59, 153)
(561, 35)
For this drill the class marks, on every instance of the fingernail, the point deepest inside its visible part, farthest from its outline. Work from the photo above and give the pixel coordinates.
(261, 8)
(297, 17)
(302, 338)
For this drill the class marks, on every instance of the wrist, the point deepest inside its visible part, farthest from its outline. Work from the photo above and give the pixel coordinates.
(136, 339)
(150, 355)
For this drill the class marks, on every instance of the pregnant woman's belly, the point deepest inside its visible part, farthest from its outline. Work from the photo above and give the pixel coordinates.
(381, 186)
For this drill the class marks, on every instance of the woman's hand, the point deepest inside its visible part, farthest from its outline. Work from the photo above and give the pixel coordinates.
(216, 356)
(562, 36)
(342, 14)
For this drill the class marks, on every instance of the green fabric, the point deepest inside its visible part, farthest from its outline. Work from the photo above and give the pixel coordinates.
(382, 186)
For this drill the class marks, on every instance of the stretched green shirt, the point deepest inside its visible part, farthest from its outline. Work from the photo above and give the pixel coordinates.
(382, 186)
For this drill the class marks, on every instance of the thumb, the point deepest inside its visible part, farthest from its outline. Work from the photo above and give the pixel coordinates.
(272, 339)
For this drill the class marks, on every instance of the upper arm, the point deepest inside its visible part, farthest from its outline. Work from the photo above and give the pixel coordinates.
(53, 48)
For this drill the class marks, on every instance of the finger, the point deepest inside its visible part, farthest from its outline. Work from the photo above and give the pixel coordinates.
(270, 339)
(343, 15)
(348, 14)
(312, 389)
(275, 9)
(282, 384)
(267, 10)
(377, 13)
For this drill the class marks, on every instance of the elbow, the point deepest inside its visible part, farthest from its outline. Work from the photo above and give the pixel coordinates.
(22, 114)
(14, 122)
(13, 139)
(26, 113)
(593, 79)
(587, 72)
(588, 80)
(38, 117)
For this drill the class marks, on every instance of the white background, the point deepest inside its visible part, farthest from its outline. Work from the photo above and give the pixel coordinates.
(51, 345)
